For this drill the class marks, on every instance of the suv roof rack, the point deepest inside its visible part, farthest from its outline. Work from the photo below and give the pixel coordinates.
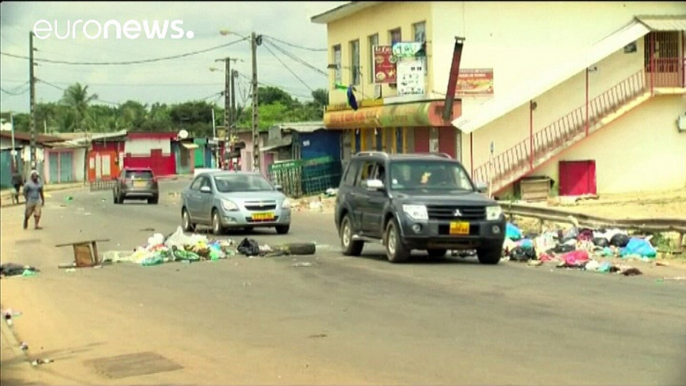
(442, 155)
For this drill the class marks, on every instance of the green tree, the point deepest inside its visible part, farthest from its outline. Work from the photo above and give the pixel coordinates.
(76, 97)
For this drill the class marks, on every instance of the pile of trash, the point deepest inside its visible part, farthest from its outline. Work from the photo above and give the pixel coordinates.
(580, 248)
(176, 247)
(191, 248)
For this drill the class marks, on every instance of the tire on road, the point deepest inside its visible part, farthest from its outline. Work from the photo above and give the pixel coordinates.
(349, 246)
(299, 248)
(154, 200)
(396, 252)
(186, 223)
(217, 227)
(489, 256)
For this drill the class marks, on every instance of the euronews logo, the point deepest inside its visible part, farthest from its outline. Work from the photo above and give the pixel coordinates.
(111, 29)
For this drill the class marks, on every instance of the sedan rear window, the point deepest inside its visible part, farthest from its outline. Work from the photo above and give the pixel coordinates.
(139, 174)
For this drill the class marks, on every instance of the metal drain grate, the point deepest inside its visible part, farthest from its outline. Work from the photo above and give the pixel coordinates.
(132, 365)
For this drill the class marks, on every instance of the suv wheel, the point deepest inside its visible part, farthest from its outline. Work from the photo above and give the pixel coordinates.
(490, 256)
(186, 223)
(217, 227)
(396, 252)
(350, 247)
(115, 198)
(153, 200)
(436, 253)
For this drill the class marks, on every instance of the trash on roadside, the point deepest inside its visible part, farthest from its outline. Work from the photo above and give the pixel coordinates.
(70, 270)
(331, 192)
(302, 264)
(23, 346)
(11, 269)
(41, 362)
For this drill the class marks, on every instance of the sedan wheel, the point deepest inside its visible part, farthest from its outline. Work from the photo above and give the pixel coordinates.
(217, 228)
(186, 221)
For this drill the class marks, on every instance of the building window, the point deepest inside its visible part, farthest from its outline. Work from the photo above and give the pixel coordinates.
(355, 62)
(420, 36)
(337, 61)
(395, 36)
(373, 41)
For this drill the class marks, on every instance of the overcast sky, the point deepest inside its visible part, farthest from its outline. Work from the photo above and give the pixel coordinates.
(167, 81)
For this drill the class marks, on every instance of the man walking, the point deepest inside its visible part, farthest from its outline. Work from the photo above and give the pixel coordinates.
(33, 193)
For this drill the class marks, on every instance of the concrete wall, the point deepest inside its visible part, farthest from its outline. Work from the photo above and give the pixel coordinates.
(6, 143)
(377, 19)
(552, 105)
(522, 39)
(640, 151)
(143, 146)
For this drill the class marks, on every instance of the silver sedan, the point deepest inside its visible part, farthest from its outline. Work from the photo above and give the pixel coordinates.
(225, 200)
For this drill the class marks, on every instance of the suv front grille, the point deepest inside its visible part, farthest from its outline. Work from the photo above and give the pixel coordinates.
(447, 212)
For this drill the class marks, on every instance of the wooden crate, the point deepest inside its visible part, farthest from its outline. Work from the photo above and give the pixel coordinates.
(534, 189)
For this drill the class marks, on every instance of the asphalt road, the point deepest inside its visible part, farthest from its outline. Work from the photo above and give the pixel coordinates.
(339, 321)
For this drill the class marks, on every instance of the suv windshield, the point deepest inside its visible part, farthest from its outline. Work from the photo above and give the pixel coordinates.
(138, 175)
(242, 183)
(432, 175)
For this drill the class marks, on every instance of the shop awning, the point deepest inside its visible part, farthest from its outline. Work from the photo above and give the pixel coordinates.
(532, 88)
(189, 145)
(285, 141)
(411, 114)
(664, 23)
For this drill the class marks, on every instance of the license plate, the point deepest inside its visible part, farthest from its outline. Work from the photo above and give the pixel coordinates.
(263, 216)
(459, 228)
(140, 184)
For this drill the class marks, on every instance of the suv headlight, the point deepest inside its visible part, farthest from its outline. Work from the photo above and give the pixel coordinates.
(416, 212)
(286, 204)
(229, 205)
(493, 213)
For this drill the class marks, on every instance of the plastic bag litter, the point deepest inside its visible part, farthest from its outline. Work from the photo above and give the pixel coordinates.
(640, 247)
(156, 239)
(249, 247)
(619, 240)
(512, 232)
(117, 256)
(576, 258)
(183, 255)
(179, 239)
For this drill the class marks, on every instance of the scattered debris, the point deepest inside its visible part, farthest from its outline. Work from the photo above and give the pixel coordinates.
(318, 336)
(41, 362)
(23, 346)
(302, 264)
(11, 269)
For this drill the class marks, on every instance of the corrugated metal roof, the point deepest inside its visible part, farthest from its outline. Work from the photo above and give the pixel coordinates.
(664, 23)
(302, 127)
(532, 88)
(342, 11)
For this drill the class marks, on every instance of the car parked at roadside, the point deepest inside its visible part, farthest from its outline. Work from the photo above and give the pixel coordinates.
(136, 184)
(225, 200)
(416, 201)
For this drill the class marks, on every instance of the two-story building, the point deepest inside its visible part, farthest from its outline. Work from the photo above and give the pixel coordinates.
(589, 94)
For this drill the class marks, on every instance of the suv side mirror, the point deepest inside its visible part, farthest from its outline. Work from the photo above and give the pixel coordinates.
(278, 188)
(205, 189)
(374, 185)
(482, 187)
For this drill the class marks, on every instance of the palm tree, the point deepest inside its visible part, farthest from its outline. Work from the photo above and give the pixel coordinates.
(77, 99)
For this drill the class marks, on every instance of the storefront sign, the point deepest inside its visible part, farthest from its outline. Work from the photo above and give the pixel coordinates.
(408, 50)
(362, 118)
(405, 115)
(384, 65)
(411, 76)
(475, 82)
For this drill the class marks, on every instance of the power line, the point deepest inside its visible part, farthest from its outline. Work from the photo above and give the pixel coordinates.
(297, 59)
(295, 45)
(64, 89)
(14, 93)
(125, 62)
(288, 68)
(272, 85)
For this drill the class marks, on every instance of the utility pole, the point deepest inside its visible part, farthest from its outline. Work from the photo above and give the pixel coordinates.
(255, 40)
(234, 118)
(14, 149)
(228, 96)
(32, 119)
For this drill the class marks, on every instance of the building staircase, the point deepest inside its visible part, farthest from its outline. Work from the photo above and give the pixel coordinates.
(518, 161)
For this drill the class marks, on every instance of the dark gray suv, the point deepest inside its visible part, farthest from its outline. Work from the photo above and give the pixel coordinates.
(136, 184)
(416, 201)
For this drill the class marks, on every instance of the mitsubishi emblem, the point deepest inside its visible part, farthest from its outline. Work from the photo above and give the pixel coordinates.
(457, 213)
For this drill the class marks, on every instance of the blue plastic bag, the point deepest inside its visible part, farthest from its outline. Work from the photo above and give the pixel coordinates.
(526, 244)
(512, 232)
(639, 247)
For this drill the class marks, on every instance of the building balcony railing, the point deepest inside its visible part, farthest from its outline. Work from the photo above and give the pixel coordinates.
(666, 72)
